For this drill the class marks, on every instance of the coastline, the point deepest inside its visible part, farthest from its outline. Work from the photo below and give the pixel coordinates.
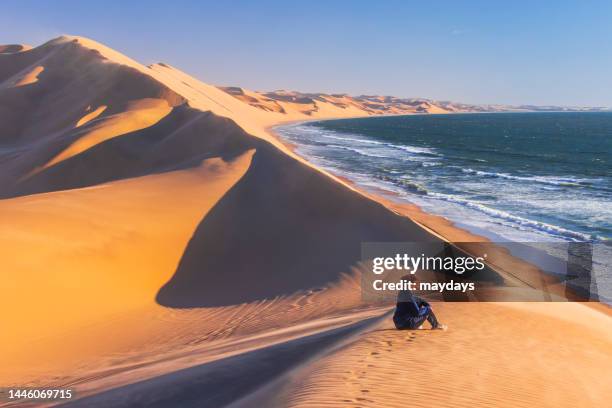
(435, 224)
(511, 267)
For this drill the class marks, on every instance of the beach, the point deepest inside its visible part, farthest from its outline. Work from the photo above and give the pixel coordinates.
(161, 245)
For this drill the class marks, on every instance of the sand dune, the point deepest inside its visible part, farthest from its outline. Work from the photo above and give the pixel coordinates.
(529, 360)
(13, 48)
(137, 115)
(91, 115)
(259, 362)
(154, 231)
(99, 211)
(87, 254)
(311, 230)
(29, 77)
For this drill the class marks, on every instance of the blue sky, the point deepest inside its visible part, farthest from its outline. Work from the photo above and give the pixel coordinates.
(538, 52)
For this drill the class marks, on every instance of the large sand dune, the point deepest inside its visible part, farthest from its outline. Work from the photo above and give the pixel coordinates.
(529, 360)
(153, 231)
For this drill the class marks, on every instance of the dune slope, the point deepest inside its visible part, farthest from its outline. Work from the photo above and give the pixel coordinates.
(510, 355)
(128, 187)
(279, 236)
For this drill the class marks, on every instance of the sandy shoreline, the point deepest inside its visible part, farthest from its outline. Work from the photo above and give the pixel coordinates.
(499, 259)
(433, 223)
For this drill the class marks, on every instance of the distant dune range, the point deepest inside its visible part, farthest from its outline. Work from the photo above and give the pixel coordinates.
(150, 223)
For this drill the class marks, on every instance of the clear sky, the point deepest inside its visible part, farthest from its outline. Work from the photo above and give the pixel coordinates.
(533, 52)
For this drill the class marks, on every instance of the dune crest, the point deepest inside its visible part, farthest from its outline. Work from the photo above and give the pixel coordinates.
(91, 115)
(92, 253)
(137, 115)
(29, 77)
(14, 48)
(83, 195)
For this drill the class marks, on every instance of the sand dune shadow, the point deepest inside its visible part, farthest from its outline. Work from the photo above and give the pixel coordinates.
(282, 228)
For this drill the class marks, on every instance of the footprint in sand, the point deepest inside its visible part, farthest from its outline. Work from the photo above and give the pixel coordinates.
(361, 399)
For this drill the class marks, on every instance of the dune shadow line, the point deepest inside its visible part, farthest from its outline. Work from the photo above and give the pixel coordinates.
(223, 381)
(282, 228)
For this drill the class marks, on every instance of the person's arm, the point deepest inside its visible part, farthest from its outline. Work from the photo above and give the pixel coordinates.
(420, 301)
(416, 302)
(422, 306)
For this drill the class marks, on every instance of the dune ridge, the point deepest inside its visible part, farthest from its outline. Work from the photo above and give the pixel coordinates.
(81, 190)
(150, 223)
(13, 48)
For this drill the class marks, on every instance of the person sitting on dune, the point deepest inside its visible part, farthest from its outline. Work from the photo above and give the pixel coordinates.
(412, 311)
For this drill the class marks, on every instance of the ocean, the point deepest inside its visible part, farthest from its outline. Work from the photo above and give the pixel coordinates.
(518, 177)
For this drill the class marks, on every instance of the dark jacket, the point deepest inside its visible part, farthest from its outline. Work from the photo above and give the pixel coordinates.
(410, 311)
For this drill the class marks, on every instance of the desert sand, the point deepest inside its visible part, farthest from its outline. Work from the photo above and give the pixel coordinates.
(161, 247)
